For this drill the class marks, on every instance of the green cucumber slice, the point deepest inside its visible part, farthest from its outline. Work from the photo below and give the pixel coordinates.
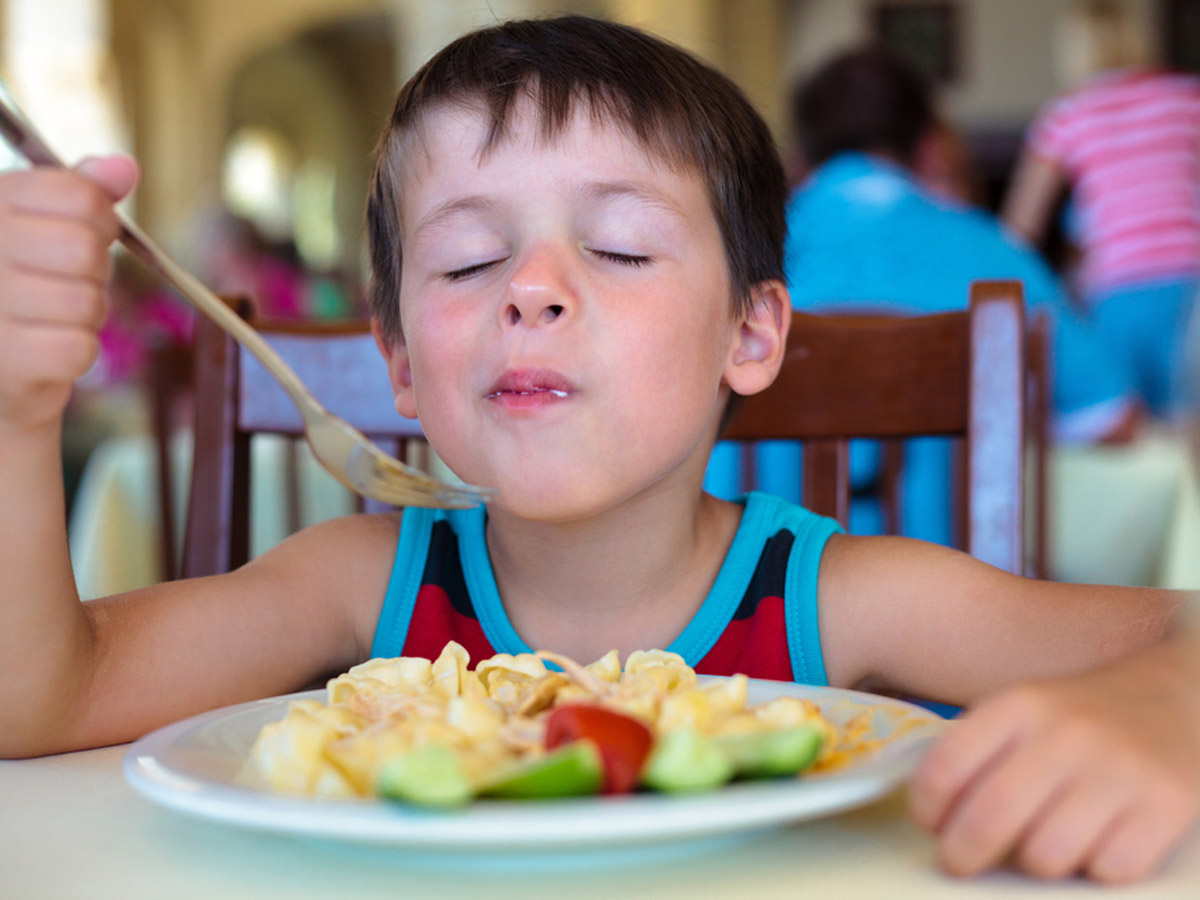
(685, 761)
(771, 754)
(429, 776)
(573, 770)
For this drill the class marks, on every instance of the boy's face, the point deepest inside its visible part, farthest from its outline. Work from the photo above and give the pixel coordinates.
(566, 313)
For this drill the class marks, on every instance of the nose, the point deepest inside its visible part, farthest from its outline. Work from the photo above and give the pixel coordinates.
(540, 291)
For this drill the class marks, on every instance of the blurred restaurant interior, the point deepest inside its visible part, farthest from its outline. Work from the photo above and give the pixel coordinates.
(254, 123)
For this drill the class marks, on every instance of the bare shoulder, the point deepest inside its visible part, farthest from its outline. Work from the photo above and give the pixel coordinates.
(902, 614)
(862, 561)
(344, 562)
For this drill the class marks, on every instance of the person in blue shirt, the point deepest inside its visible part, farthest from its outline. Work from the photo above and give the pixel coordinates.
(864, 231)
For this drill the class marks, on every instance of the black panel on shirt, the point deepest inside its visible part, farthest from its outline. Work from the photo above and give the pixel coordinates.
(443, 567)
(770, 574)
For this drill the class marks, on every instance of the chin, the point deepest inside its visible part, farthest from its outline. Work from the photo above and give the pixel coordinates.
(550, 500)
(541, 507)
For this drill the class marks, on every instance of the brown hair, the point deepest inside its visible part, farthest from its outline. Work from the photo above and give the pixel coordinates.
(678, 108)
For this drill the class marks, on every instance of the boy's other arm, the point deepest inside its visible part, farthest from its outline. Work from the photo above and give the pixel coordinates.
(921, 619)
(1081, 750)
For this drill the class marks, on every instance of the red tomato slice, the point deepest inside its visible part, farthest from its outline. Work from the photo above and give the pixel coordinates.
(624, 741)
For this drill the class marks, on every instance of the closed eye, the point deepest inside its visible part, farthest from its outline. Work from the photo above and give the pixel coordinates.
(468, 271)
(625, 259)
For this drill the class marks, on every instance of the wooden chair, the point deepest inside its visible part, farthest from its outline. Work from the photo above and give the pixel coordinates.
(236, 398)
(958, 374)
(169, 385)
(1039, 375)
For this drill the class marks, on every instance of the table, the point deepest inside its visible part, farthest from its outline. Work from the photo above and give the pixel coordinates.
(70, 827)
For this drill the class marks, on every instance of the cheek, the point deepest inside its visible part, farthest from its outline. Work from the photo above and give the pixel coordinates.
(437, 357)
(680, 365)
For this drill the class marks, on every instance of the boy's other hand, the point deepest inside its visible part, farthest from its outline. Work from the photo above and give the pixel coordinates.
(1096, 774)
(55, 230)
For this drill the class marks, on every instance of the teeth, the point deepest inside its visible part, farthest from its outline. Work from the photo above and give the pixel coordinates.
(559, 393)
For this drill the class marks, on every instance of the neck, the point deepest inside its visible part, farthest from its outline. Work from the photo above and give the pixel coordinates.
(629, 578)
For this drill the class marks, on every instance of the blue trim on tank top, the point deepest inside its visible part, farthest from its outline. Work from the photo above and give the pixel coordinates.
(693, 642)
(763, 515)
(800, 592)
(412, 550)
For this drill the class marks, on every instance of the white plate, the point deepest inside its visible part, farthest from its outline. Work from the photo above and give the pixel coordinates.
(191, 766)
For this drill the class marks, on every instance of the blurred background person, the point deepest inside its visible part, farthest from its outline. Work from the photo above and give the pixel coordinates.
(237, 259)
(1126, 139)
(865, 233)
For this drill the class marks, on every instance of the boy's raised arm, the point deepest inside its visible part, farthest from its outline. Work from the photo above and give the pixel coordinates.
(1080, 748)
(81, 674)
(55, 229)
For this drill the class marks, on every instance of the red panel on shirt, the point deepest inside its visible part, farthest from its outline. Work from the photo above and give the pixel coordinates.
(755, 646)
(435, 622)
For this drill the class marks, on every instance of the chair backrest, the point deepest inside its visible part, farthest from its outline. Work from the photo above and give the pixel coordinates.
(237, 398)
(958, 374)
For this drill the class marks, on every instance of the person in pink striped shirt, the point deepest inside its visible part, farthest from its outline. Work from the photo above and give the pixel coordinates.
(1128, 143)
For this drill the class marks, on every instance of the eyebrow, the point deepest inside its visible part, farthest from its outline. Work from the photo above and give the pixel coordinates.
(604, 190)
(593, 190)
(473, 203)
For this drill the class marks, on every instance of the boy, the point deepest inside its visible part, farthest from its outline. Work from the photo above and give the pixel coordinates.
(576, 235)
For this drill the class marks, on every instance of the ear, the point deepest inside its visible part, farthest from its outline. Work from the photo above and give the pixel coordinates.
(760, 340)
(395, 354)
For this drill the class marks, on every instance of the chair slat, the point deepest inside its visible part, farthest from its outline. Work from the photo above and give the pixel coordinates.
(1038, 399)
(827, 478)
(217, 535)
(996, 435)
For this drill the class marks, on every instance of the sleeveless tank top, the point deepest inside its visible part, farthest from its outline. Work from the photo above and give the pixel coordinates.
(759, 618)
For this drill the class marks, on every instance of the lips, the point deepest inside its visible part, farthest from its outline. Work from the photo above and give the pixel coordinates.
(520, 390)
(530, 381)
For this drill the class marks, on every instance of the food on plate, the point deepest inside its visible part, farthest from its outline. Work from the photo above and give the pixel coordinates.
(439, 733)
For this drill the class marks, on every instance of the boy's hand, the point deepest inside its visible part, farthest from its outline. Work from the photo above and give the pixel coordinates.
(55, 230)
(1098, 773)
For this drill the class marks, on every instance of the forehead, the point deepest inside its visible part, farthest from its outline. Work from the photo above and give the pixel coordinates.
(451, 149)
